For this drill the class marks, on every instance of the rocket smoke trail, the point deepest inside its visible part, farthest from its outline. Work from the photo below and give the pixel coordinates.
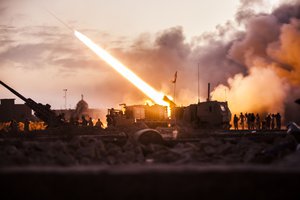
(58, 19)
(155, 95)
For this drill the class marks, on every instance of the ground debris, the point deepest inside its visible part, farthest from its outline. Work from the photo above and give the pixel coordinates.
(92, 150)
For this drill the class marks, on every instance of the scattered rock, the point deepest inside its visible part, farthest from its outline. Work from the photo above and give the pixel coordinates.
(91, 150)
(11, 150)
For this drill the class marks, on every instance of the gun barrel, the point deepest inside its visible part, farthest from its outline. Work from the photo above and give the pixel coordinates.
(14, 91)
(41, 111)
(166, 99)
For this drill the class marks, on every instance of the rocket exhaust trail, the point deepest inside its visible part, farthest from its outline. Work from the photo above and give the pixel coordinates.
(156, 96)
(59, 20)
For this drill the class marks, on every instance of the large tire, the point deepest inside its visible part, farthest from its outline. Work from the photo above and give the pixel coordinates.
(148, 136)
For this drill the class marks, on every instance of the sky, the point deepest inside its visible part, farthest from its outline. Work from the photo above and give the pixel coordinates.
(113, 23)
(127, 18)
(40, 58)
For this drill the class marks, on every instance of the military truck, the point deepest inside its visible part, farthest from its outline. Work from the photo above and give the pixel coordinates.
(210, 114)
(153, 116)
(205, 115)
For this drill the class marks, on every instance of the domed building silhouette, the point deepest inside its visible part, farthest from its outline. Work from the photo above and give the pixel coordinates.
(82, 108)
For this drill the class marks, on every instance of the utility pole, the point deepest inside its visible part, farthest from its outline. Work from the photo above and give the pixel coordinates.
(65, 96)
(174, 91)
(198, 84)
(174, 81)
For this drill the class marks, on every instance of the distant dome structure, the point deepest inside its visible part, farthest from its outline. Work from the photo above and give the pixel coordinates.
(81, 107)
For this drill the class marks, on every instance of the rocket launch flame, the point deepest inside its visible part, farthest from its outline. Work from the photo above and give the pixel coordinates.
(156, 96)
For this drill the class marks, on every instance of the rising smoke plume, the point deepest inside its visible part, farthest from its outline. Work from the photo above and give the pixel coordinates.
(255, 70)
(269, 50)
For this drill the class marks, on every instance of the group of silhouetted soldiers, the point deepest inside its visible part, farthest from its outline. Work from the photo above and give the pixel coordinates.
(254, 122)
(90, 123)
(84, 122)
(14, 126)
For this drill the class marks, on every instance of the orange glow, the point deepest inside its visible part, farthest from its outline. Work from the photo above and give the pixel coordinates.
(156, 96)
(149, 102)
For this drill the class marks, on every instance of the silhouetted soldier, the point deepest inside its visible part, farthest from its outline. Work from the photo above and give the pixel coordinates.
(112, 112)
(278, 121)
(26, 125)
(14, 126)
(248, 119)
(90, 122)
(72, 121)
(252, 121)
(108, 120)
(268, 121)
(272, 121)
(84, 121)
(235, 122)
(76, 121)
(112, 117)
(257, 122)
(242, 118)
(99, 124)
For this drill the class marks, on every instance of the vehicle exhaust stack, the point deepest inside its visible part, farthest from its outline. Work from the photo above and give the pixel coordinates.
(208, 92)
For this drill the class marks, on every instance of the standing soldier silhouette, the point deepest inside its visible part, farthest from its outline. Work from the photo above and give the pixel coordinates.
(278, 121)
(257, 122)
(242, 118)
(236, 122)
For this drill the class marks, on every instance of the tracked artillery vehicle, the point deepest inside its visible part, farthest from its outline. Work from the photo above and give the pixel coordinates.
(60, 129)
(41, 111)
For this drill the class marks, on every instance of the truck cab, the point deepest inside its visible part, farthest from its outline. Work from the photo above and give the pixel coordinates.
(210, 114)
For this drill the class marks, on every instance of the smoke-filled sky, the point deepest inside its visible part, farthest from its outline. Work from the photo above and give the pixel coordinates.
(247, 49)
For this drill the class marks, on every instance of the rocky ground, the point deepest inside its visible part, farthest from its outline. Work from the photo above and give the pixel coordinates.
(77, 151)
(90, 167)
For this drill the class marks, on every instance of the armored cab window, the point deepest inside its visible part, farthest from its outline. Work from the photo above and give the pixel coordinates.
(223, 108)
